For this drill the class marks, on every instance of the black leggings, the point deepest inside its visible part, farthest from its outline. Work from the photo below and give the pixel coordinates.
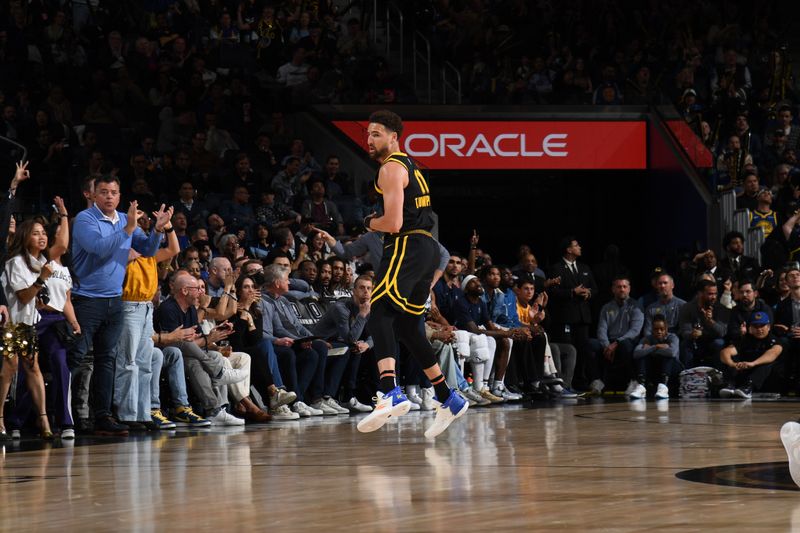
(388, 325)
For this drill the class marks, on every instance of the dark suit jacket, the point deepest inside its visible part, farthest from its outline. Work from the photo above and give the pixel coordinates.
(564, 306)
(196, 216)
(783, 313)
(748, 268)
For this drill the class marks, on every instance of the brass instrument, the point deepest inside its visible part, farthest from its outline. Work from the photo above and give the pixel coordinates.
(780, 67)
(734, 162)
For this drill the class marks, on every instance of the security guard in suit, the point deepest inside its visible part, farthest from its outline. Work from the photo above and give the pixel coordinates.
(569, 300)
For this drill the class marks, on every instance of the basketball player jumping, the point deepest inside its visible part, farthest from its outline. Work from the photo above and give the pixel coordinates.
(410, 257)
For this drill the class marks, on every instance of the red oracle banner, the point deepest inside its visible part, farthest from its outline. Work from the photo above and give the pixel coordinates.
(495, 145)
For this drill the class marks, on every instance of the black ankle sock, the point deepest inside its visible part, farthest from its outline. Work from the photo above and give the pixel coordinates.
(441, 388)
(387, 381)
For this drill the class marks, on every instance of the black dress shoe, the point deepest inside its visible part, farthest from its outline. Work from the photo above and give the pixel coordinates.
(133, 426)
(108, 426)
(84, 426)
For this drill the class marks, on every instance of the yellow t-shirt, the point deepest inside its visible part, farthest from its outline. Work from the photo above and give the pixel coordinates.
(522, 313)
(141, 280)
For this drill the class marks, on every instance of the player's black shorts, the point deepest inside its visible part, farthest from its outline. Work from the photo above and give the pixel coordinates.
(407, 266)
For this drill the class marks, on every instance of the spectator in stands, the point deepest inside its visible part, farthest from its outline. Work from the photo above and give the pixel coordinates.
(472, 316)
(774, 153)
(135, 350)
(202, 159)
(294, 72)
(337, 183)
(282, 327)
(289, 182)
(275, 214)
(747, 303)
(447, 291)
(308, 271)
(668, 305)
(787, 320)
(736, 265)
(791, 132)
(763, 216)
(237, 212)
(705, 262)
(748, 360)
(102, 240)
(259, 246)
(324, 213)
(180, 225)
(343, 325)
(659, 348)
(618, 329)
(220, 278)
(207, 374)
(703, 324)
(748, 198)
(750, 141)
(526, 312)
(569, 300)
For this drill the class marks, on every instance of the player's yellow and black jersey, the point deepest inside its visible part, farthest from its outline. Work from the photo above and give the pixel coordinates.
(417, 210)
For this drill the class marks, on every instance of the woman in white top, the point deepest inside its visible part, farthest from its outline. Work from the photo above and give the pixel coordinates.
(57, 320)
(23, 278)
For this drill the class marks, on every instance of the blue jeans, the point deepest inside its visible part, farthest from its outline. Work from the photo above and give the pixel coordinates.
(134, 362)
(334, 371)
(169, 357)
(101, 325)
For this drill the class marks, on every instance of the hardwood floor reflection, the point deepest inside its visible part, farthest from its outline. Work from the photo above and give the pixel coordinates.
(616, 466)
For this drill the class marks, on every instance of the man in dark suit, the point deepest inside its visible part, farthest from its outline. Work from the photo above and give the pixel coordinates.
(188, 204)
(569, 300)
(736, 265)
(787, 327)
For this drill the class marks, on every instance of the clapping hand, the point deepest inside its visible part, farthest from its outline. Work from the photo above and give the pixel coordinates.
(162, 216)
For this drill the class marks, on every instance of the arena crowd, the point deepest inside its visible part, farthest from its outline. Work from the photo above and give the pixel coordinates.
(202, 264)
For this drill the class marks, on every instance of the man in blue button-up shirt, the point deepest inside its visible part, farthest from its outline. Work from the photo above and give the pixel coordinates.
(618, 329)
(102, 240)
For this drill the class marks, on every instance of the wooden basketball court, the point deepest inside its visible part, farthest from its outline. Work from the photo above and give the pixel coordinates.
(609, 465)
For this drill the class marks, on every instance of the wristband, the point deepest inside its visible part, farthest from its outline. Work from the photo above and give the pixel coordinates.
(39, 282)
(62, 215)
(169, 230)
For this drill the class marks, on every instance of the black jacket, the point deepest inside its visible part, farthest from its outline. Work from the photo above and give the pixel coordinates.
(565, 307)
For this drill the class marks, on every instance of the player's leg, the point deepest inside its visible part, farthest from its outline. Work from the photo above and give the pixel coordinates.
(410, 329)
(390, 400)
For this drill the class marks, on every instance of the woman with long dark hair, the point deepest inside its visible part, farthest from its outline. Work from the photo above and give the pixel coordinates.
(24, 281)
(248, 337)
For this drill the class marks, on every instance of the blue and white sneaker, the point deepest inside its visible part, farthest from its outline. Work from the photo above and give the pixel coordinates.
(454, 407)
(393, 403)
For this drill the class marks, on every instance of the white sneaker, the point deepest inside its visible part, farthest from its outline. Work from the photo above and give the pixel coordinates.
(283, 413)
(301, 409)
(326, 409)
(357, 406)
(427, 399)
(230, 375)
(68, 433)
(224, 418)
(639, 392)
(632, 385)
(414, 406)
(394, 403)
(662, 392)
(333, 404)
(446, 414)
(313, 411)
(790, 437)
(281, 397)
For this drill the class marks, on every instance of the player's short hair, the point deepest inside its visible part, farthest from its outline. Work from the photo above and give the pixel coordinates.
(389, 120)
